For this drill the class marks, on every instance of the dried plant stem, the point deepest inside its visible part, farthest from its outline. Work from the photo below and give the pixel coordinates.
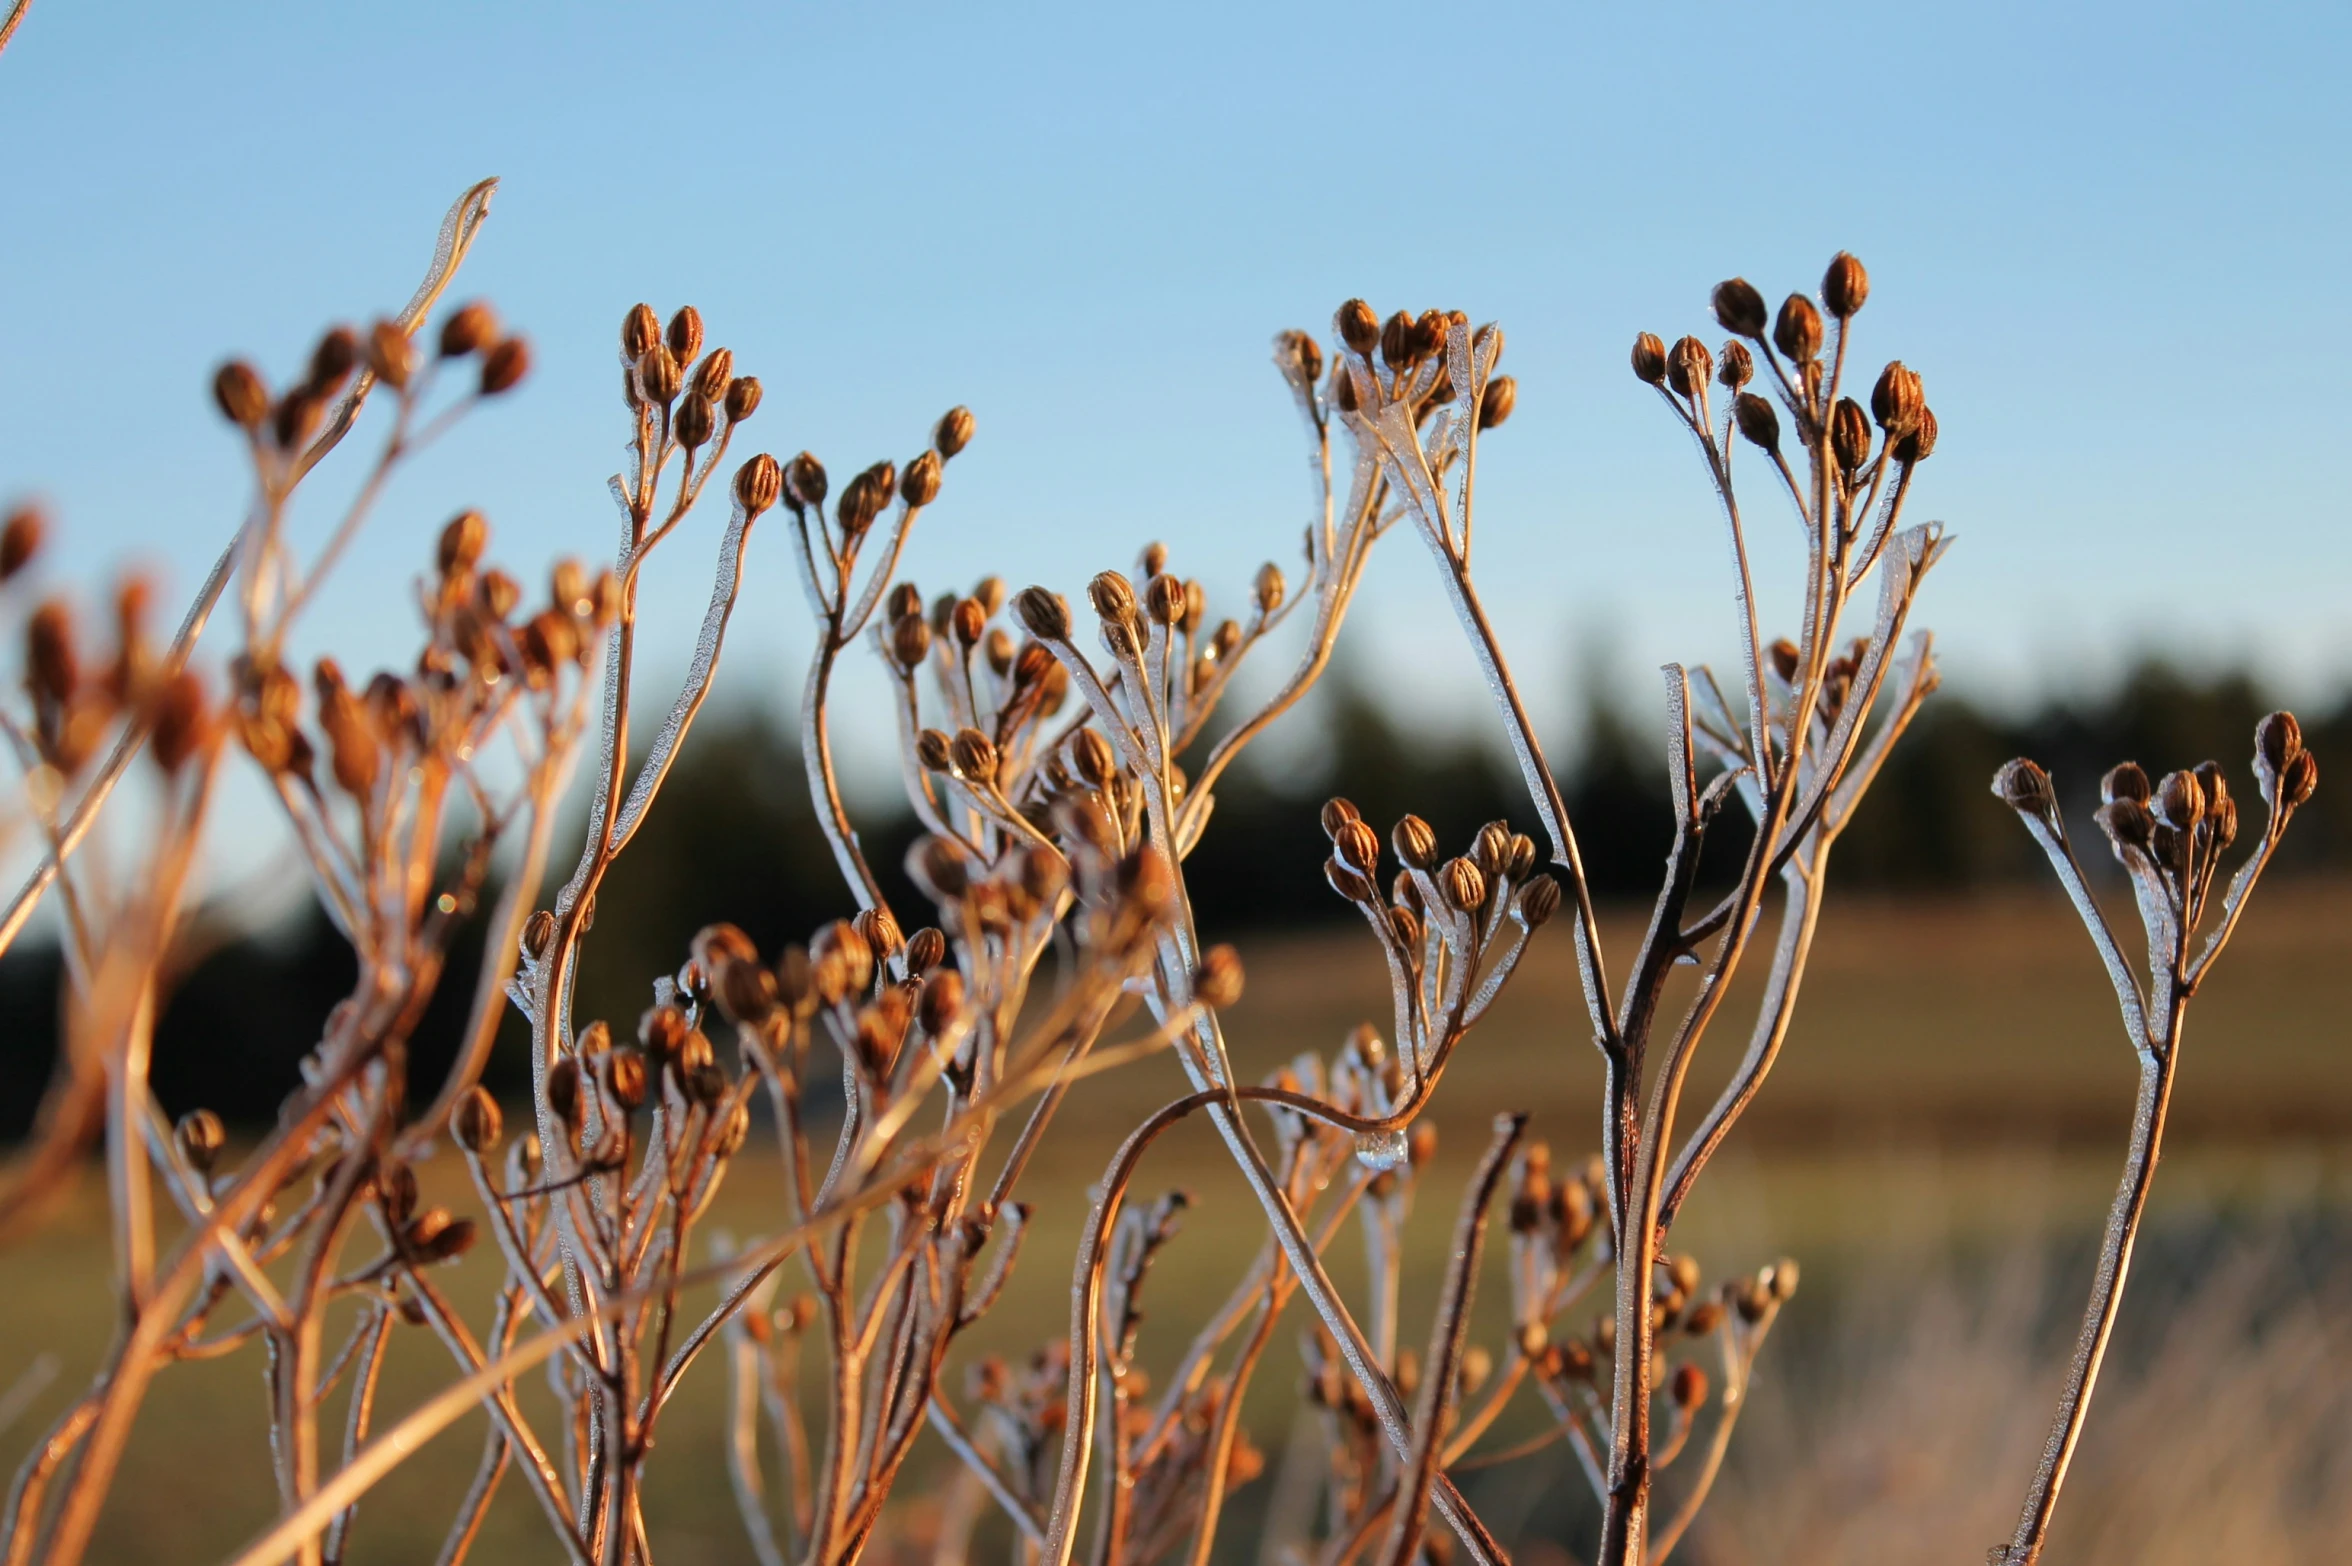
(2114, 1267)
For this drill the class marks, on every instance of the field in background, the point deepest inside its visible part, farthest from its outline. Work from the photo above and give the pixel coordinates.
(1937, 1148)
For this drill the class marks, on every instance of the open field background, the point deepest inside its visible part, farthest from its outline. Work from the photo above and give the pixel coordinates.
(1937, 1148)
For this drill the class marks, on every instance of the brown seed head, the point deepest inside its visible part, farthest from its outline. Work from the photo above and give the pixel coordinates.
(910, 641)
(1897, 398)
(640, 330)
(1501, 396)
(297, 417)
(477, 1123)
(695, 421)
(1688, 365)
(1849, 434)
(468, 329)
(758, 483)
(2278, 738)
(1738, 365)
(2024, 787)
(658, 376)
(2299, 781)
(1358, 847)
(332, 360)
(1044, 615)
(1844, 286)
(1415, 843)
(391, 354)
(1739, 308)
(2128, 823)
(52, 670)
(1092, 757)
(954, 432)
(1113, 598)
(1757, 420)
(1917, 443)
(243, 400)
(1538, 900)
(1797, 329)
(1216, 983)
(742, 398)
(969, 622)
(182, 723)
(974, 755)
(1163, 597)
(1336, 813)
(879, 927)
(2124, 780)
(713, 374)
(1358, 327)
(926, 950)
(1462, 884)
(934, 750)
(920, 485)
(662, 1030)
(505, 366)
(563, 1090)
(1649, 358)
(625, 1078)
(538, 933)
(2180, 800)
(804, 481)
(1690, 1386)
(685, 336)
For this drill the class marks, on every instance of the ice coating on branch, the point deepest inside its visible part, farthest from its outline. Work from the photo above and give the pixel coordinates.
(1380, 1150)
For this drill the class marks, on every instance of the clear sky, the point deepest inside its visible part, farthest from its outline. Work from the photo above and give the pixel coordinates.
(2113, 239)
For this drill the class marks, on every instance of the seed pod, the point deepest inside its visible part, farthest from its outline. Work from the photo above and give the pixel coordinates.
(1491, 852)
(879, 928)
(1501, 396)
(658, 376)
(500, 593)
(20, 540)
(685, 337)
(744, 990)
(941, 1003)
(1688, 365)
(2299, 781)
(297, 417)
(974, 755)
(1757, 420)
(796, 983)
(332, 360)
(1415, 843)
(713, 373)
(934, 750)
(1738, 367)
(2180, 800)
(2124, 780)
(662, 1030)
(1112, 596)
(920, 486)
(742, 398)
(926, 949)
(1358, 847)
(2216, 785)
(1269, 588)
(625, 1079)
(1216, 983)
(2024, 787)
(436, 1236)
(1336, 813)
(910, 642)
(1358, 327)
(1797, 330)
(2278, 738)
(1538, 900)
(1844, 286)
(1704, 1318)
(953, 433)
(1649, 358)
(1346, 393)
(182, 726)
(1690, 1386)
(243, 400)
(695, 421)
(640, 330)
(1044, 615)
(52, 671)
(563, 1091)
(199, 1135)
(2128, 823)
(1092, 758)
(1163, 598)
(804, 481)
(1781, 1276)
(1917, 443)
(1897, 398)
(477, 1123)
(1849, 434)
(758, 483)
(1405, 924)
(468, 329)
(1462, 884)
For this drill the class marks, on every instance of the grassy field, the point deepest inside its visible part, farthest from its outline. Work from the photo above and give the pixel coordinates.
(1937, 1148)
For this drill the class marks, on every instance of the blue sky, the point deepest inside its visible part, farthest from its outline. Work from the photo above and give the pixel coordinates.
(2113, 239)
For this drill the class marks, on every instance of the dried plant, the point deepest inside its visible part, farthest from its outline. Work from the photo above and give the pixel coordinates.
(1060, 788)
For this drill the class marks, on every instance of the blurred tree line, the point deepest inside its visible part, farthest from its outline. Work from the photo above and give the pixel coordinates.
(734, 838)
